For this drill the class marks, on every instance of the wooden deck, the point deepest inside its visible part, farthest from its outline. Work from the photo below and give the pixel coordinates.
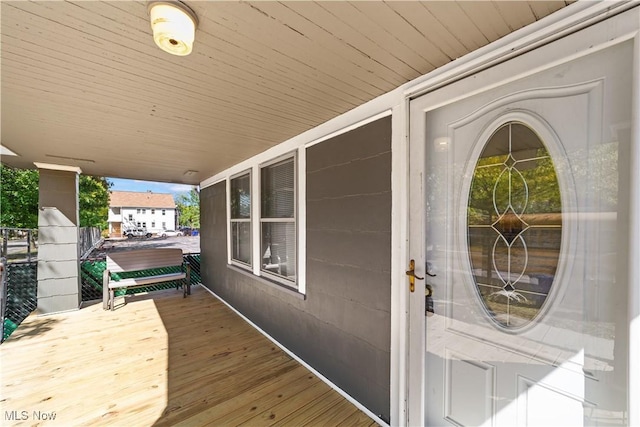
(159, 360)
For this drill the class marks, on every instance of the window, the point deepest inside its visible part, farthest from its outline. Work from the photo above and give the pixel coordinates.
(144, 211)
(153, 224)
(514, 224)
(153, 211)
(163, 211)
(278, 220)
(164, 225)
(138, 225)
(138, 211)
(241, 218)
(130, 217)
(144, 225)
(264, 217)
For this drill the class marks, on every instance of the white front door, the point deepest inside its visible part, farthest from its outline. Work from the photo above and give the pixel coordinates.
(519, 224)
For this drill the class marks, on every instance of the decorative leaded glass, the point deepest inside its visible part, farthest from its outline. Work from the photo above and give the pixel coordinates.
(514, 224)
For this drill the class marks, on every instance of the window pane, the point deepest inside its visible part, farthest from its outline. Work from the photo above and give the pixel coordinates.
(241, 197)
(279, 248)
(278, 185)
(514, 225)
(241, 241)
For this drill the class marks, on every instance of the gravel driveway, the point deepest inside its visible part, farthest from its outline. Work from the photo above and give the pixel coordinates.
(188, 244)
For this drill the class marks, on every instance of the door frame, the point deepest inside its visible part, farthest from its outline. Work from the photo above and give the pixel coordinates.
(407, 340)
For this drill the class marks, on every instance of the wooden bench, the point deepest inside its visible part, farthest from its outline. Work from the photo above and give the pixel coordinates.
(143, 259)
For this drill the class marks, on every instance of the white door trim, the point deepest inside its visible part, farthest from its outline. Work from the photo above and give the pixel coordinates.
(634, 245)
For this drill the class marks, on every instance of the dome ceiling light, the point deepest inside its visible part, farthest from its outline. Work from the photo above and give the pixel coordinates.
(174, 26)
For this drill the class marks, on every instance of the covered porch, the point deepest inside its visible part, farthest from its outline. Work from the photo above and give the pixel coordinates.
(160, 360)
(309, 128)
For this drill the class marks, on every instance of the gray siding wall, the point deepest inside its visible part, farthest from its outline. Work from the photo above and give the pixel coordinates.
(342, 327)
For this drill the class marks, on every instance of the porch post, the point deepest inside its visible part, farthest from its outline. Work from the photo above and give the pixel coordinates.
(59, 287)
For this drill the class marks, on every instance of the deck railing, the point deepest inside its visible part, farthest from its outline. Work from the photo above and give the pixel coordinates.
(89, 238)
(18, 244)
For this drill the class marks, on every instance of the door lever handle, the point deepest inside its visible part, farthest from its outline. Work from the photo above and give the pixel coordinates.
(412, 276)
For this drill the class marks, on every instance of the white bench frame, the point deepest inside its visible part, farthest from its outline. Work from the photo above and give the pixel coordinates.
(143, 259)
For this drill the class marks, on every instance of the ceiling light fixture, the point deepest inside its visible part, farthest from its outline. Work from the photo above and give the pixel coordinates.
(174, 26)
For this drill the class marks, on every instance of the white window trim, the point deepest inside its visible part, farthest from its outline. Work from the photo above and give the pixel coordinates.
(255, 213)
(274, 277)
(250, 220)
(301, 219)
(299, 158)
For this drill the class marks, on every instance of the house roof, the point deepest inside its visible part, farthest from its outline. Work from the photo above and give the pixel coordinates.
(83, 83)
(132, 199)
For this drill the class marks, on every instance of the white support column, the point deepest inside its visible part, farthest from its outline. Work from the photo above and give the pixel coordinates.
(59, 286)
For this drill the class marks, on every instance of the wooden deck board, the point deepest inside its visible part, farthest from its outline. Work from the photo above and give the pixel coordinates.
(160, 360)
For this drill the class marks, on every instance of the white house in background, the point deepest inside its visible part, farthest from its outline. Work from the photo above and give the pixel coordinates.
(130, 209)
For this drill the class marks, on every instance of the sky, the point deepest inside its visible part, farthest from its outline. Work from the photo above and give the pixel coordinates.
(120, 184)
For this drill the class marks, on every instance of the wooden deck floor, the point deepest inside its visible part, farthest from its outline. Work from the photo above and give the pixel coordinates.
(159, 360)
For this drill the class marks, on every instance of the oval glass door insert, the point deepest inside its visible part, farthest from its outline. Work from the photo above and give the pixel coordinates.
(514, 225)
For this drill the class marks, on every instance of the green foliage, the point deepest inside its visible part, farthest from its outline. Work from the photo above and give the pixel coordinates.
(19, 199)
(189, 209)
(94, 201)
(497, 186)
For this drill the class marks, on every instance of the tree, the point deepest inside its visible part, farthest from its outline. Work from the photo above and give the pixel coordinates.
(93, 196)
(19, 199)
(189, 209)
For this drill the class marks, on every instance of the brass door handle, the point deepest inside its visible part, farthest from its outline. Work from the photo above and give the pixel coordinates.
(412, 276)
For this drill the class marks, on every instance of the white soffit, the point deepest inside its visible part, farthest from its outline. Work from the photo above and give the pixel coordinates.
(85, 81)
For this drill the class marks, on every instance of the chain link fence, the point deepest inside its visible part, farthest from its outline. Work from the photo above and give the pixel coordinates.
(20, 289)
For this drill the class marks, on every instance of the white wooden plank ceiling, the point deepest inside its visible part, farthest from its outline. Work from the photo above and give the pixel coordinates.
(83, 83)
